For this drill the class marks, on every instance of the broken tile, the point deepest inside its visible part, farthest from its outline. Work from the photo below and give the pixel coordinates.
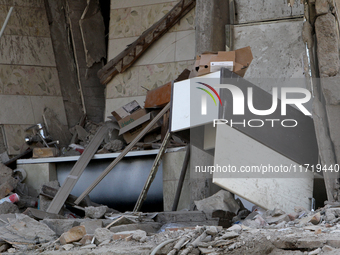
(21, 114)
(153, 76)
(15, 138)
(55, 103)
(186, 23)
(124, 84)
(117, 45)
(26, 50)
(153, 13)
(29, 80)
(126, 22)
(25, 21)
(185, 45)
(161, 51)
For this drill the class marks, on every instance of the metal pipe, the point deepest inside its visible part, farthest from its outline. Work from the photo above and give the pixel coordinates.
(6, 21)
(181, 178)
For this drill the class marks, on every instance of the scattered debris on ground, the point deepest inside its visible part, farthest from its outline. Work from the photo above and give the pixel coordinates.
(181, 232)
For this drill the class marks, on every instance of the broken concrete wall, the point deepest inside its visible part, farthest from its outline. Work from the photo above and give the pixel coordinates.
(28, 75)
(65, 60)
(161, 63)
(87, 32)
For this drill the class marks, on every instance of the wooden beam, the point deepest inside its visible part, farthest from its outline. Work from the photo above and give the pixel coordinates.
(77, 170)
(152, 174)
(124, 152)
(128, 56)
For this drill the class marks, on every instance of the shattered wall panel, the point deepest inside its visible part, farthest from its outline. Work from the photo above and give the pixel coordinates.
(88, 51)
(28, 73)
(161, 63)
(65, 61)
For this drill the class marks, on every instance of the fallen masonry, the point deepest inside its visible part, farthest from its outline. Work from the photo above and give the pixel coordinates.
(261, 232)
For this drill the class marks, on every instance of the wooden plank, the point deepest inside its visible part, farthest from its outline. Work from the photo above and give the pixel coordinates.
(152, 174)
(76, 171)
(123, 153)
(130, 55)
(44, 152)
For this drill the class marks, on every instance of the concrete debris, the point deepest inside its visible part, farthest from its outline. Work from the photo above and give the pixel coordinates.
(139, 235)
(8, 186)
(222, 200)
(149, 227)
(60, 226)
(89, 246)
(8, 207)
(322, 7)
(45, 201)
(5, 173)
(92, 225)
(95, 212)
(102, 234)
(259, 233)
(73, 235)
(67, 247)
(87, 239)
(25, 230)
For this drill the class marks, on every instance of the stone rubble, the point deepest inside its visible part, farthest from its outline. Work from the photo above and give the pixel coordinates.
(307, 232)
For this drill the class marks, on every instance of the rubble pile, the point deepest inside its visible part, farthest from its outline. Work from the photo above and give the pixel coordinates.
(105, 231)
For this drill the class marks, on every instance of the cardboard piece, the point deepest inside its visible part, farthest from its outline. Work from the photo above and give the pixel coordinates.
(45, 152)
(133, 124)
(158, 97)
(126, 110)
(241, 60)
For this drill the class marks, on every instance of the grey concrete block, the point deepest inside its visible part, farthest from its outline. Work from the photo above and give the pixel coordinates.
(148, 227)
(8, 207)
(95, 212)
(92, 225)
(327, 39)
(60, 226)
(102, 234)
(180, 216)
(322, 7)
(333, 113)
(331, 90)
(222, 200)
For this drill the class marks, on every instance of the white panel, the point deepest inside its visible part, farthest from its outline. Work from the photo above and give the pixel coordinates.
(184, 99)
(209, 137)
(236, 149)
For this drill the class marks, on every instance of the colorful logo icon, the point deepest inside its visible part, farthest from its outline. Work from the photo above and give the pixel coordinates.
(204, 97)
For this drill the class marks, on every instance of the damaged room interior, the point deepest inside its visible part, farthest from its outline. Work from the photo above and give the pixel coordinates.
(170, 127)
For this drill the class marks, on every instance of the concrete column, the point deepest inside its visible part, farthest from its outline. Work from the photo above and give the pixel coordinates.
(211, 18)
(327, 36)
